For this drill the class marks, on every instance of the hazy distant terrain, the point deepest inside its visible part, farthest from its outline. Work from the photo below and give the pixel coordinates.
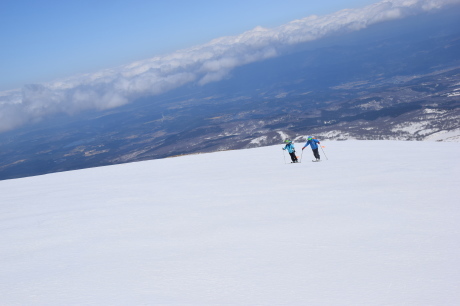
(394, 80)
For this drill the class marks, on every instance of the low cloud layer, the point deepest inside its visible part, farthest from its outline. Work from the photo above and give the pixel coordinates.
(202, 64)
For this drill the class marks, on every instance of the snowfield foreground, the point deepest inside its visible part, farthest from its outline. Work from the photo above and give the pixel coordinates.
(376, 224)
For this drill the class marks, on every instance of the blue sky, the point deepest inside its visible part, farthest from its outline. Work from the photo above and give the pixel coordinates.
(49, 39)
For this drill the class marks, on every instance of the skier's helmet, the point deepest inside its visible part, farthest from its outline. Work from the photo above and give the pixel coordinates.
(287, 140)
(309, 137)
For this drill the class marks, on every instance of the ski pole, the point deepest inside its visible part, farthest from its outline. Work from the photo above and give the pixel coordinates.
(301, 157)
(284, 156)
(324, 152)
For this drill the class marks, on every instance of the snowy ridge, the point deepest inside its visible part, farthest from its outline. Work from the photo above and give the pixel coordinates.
(428, 124)
(376, 224)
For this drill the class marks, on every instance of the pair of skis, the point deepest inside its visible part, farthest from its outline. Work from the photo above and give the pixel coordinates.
(298, 161)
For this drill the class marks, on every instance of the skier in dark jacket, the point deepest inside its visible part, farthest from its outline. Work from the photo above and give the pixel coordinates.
(314, 146)
(290, 147)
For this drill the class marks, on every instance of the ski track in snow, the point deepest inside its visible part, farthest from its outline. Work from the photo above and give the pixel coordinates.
(376, 224)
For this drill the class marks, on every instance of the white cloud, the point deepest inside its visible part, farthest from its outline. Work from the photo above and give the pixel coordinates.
(201, 64)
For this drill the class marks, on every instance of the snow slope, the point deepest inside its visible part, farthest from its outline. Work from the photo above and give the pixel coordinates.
(376, 224)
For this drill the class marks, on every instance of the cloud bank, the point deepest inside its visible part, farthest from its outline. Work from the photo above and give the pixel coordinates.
(202, 64)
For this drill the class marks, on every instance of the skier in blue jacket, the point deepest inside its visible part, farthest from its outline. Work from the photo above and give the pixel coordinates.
(290, 147)
(314, 146)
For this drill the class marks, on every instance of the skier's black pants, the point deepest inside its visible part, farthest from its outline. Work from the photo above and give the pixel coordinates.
(293, 157)
(316, 153)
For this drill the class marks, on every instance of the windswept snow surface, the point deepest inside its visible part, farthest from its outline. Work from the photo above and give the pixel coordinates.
(376, 224)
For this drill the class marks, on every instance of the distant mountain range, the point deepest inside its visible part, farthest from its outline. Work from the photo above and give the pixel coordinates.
(394, 80)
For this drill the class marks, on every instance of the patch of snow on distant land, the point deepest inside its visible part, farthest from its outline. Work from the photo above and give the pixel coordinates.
(372, 105)
(283, 135)
(410, 127)
(434, 111)
(453, 94)
(377, 223)
(420, 128)
(259, 140)
(337, 134)
(450, 136)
